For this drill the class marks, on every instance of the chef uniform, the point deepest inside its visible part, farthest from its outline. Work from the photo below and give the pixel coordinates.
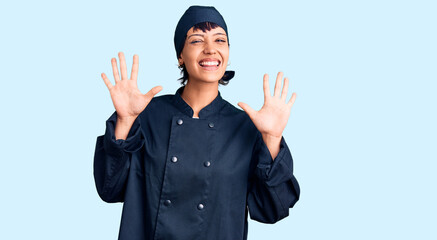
(185, 178)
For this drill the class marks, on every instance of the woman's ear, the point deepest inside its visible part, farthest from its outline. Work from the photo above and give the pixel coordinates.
(180, 62)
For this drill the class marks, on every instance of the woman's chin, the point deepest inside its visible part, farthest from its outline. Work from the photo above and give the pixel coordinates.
(209, 77)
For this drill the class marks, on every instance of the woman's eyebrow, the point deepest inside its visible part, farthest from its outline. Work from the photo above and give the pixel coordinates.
(195, 34)
(202, 35)
(220, 34)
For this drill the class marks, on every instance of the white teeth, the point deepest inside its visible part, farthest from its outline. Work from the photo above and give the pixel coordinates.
(209, 63)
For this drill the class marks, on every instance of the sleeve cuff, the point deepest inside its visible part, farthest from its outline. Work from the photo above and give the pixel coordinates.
(274, 172)
(133, 142)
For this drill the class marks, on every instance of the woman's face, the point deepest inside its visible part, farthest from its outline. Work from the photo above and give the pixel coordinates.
(205, 54)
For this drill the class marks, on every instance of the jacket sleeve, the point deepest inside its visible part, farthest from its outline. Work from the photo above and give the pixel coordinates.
(112, 160)
(273, 189)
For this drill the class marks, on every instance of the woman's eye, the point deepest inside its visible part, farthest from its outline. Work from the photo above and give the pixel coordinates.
(221, 40)
(195, 41)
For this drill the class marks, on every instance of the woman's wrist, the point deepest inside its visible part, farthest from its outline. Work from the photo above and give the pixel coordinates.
(123, 126)
(126, 120)
(273, 144)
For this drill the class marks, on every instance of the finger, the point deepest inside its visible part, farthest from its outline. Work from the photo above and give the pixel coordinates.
(266, 87)
(150, 94)
(107, 82)
(278, 84)
(247, 109)
(135, 65)
(123, 68)
(115, 70)
(284, 90)
(292, 99)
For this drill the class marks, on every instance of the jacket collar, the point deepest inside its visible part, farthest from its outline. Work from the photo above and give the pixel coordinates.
(209, 110)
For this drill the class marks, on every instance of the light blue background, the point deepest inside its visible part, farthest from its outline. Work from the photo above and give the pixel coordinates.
(362, 131)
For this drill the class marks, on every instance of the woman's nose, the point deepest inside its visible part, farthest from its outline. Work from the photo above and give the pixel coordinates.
(209, 48)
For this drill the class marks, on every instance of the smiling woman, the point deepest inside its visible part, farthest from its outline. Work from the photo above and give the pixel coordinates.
(221, 37)
(191, 165)
(205, 54)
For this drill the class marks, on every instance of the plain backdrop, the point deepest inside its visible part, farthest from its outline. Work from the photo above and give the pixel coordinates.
(362, 131)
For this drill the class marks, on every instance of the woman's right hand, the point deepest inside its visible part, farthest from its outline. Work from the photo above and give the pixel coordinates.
(128, 101)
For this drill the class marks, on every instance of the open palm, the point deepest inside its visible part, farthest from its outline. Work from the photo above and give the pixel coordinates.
(272, 118)
(128, 101)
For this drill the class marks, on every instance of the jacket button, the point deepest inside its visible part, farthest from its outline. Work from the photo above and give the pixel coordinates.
(167, 203)
(211, 125)
(200, 206)
(180, 121)
(207, 163)
(174, 159)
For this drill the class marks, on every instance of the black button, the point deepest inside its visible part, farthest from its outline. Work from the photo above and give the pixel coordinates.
(207, 163)
(200, 206)
(174, 159)
(180, 121)
(167, 203)
(211, 125)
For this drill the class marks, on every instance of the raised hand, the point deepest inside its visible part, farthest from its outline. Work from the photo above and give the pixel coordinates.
(272, 118)
(128, 101)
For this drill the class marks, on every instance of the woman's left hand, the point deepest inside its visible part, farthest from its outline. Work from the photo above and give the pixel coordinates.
(273, 116)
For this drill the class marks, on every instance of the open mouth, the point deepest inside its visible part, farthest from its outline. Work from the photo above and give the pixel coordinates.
(210, 64)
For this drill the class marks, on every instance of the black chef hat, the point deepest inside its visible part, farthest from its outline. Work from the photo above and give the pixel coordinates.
(193, 16)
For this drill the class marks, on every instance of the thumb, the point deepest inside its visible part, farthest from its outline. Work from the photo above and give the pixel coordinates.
(247, 109)
(150, 94)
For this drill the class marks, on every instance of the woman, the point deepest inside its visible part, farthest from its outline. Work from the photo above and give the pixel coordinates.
(191, 165)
